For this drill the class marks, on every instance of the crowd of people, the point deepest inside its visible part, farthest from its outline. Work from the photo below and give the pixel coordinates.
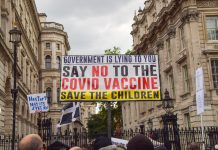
(138, 142)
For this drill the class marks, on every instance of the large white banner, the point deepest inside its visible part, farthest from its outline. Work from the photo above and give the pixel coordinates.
(200, 90)
(37, 102)
(110, 77)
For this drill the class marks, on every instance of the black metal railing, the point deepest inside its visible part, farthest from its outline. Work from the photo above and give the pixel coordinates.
(80, 138)
(187, 136)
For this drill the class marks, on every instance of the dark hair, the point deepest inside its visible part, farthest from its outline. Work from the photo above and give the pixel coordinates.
(162, 147)
(101, 141)
(140, 142)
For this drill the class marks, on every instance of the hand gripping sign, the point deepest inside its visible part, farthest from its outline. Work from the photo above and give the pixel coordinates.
(110, 78)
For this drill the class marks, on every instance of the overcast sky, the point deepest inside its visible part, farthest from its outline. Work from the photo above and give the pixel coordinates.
(93, 25)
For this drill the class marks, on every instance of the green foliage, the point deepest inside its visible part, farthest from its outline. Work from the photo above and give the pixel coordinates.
(97, 124)
(114, 51)
(129, 52)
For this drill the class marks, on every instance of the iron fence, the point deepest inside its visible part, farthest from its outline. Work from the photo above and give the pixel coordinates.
(187, 136)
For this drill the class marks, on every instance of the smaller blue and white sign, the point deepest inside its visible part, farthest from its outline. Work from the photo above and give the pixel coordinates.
(38, 102)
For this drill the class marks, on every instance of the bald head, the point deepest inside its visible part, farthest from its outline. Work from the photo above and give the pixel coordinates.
(75, 148)
(31, 142)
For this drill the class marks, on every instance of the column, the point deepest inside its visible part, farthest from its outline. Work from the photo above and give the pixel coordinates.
(54, 91)
(54, 66)
(42, 57)
(24, 70)
(19, 131)
(8, 120)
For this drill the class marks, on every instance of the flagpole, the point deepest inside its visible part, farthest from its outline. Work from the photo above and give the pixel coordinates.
(202, 131)
(109, 120)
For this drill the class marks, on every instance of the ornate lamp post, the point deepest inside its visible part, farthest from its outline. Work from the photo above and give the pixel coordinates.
(170, 123)
(167, 103)
(15, 38)
(142, 128)
(150, 124)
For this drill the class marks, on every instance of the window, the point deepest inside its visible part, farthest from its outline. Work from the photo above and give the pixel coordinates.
(169, 54)
(212, 28)
(186, 85)
(48, 62)
(214, 67)
(58, 95)
(49, 94)
(58, 46)
(187, 120)
(182, 38)
(47, 45)
(58, 62)
(172, 87)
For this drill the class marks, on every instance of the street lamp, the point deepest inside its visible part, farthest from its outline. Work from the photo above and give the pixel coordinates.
(167, 102)
(170, 131)
(141, 128)
(150, 124)
(15, 38)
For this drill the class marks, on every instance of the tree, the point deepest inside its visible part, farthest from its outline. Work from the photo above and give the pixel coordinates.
(114, 51)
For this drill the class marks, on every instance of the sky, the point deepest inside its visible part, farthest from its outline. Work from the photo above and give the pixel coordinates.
(93, 25)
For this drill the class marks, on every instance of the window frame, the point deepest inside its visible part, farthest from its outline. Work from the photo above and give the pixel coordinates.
(58, 46)
(186, 79)
(182, 38)
(49, 94)
(213, 82)
(206, 27)
(168, 48)
(171, 85)
(58, 95)
(48, 63)
(47, 45)
(58, 62)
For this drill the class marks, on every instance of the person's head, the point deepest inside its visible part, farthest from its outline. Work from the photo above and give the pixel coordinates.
(194, 146)
(72, 144)
(75, 148)
(31, 142)
(84, 147)
(140, 142)
(162, 147)
(101, 142)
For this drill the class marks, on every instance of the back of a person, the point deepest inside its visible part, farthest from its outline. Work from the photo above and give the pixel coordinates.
(194, 146)
(101, 142)
(162, 147)
(140, 142)
(112, 147)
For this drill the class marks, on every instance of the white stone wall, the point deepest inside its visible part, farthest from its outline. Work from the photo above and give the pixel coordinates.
(197, 51)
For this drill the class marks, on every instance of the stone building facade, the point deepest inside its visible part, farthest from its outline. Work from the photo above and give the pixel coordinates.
(184, 35)
(23, 14)
(38, 66)
(53, 44)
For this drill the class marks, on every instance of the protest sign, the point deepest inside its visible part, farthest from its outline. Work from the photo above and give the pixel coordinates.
(110, 77)
(120, 142)
(37, 102)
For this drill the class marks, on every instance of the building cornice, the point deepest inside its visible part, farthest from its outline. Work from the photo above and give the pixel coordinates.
(57, 31)
(32, 6)
(207, 3)
(36, 63)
